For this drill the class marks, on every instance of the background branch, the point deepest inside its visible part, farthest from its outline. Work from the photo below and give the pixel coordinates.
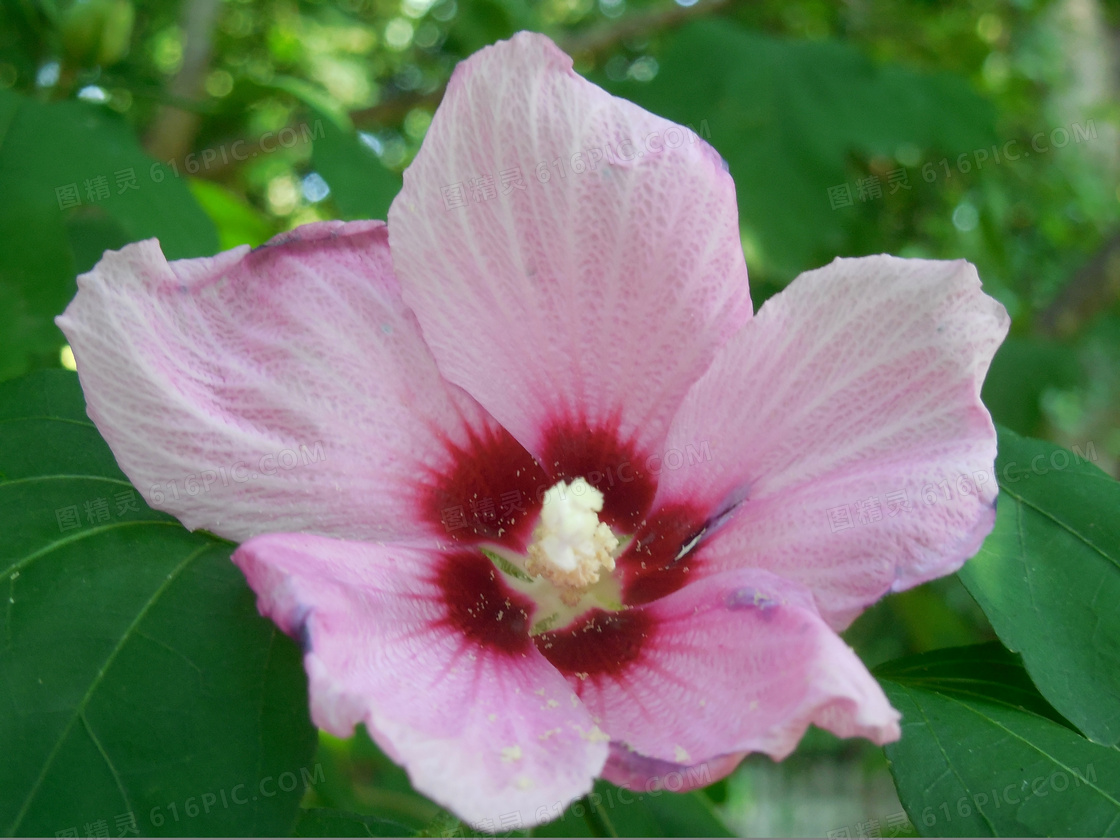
(1094, 288)
(173, 130)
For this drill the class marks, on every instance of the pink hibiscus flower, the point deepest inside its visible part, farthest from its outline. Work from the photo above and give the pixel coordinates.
(541, 499)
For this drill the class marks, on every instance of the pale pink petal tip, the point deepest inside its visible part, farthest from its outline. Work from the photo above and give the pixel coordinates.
(848, 415)
(490, 734)
(572, 259)
(287, 388)
(734, 663)
(633, 771)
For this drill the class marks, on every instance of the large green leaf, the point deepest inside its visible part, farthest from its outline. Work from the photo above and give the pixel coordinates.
(137, 681)
(328, 822)
(58, 159)
(1048, 578)
(788, 116)
(982, 755)
(1024, 368)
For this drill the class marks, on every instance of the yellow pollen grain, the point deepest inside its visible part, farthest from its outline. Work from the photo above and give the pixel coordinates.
(680, 755)
(596, 734)
(552, 704)
(511, 754)
(523, 783)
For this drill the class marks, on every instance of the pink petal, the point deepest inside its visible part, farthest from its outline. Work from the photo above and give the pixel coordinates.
(587, 303)
(432, 653)
(856, 388)
(733, 663)
(632, 770)
(287, 388)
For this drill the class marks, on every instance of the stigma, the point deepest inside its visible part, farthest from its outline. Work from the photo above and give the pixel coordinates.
(570, 545)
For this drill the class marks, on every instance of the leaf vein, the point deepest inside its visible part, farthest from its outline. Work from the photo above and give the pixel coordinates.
(79, 712)
(62, 543)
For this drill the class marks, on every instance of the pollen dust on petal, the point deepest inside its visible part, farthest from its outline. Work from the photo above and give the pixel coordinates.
(594, 734)
(511, 754)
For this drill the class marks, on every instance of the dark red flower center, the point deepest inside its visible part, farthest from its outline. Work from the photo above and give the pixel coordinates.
(491, 498)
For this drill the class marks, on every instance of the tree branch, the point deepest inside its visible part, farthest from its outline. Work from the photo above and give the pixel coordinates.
(1093, 288)
(172, 133)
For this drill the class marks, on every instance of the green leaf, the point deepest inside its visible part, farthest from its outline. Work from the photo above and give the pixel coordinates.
(360, 184)
(237, 221)
(609, 811)
(91, 232)
(58, 159)
(987, 671)
(788, 116)
(327, 822)
(137, 680)
(1048, 578)
(1022, 371)
(981, 755)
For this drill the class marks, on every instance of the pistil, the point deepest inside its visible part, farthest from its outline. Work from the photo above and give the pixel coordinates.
(570, 545)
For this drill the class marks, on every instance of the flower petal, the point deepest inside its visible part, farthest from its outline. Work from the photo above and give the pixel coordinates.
(632, 770)
(286, 388)
(733, 663)
(852, 395)
(591, 301)
(481, 722)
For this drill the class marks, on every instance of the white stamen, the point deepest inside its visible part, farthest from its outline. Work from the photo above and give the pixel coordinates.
(570, 545)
